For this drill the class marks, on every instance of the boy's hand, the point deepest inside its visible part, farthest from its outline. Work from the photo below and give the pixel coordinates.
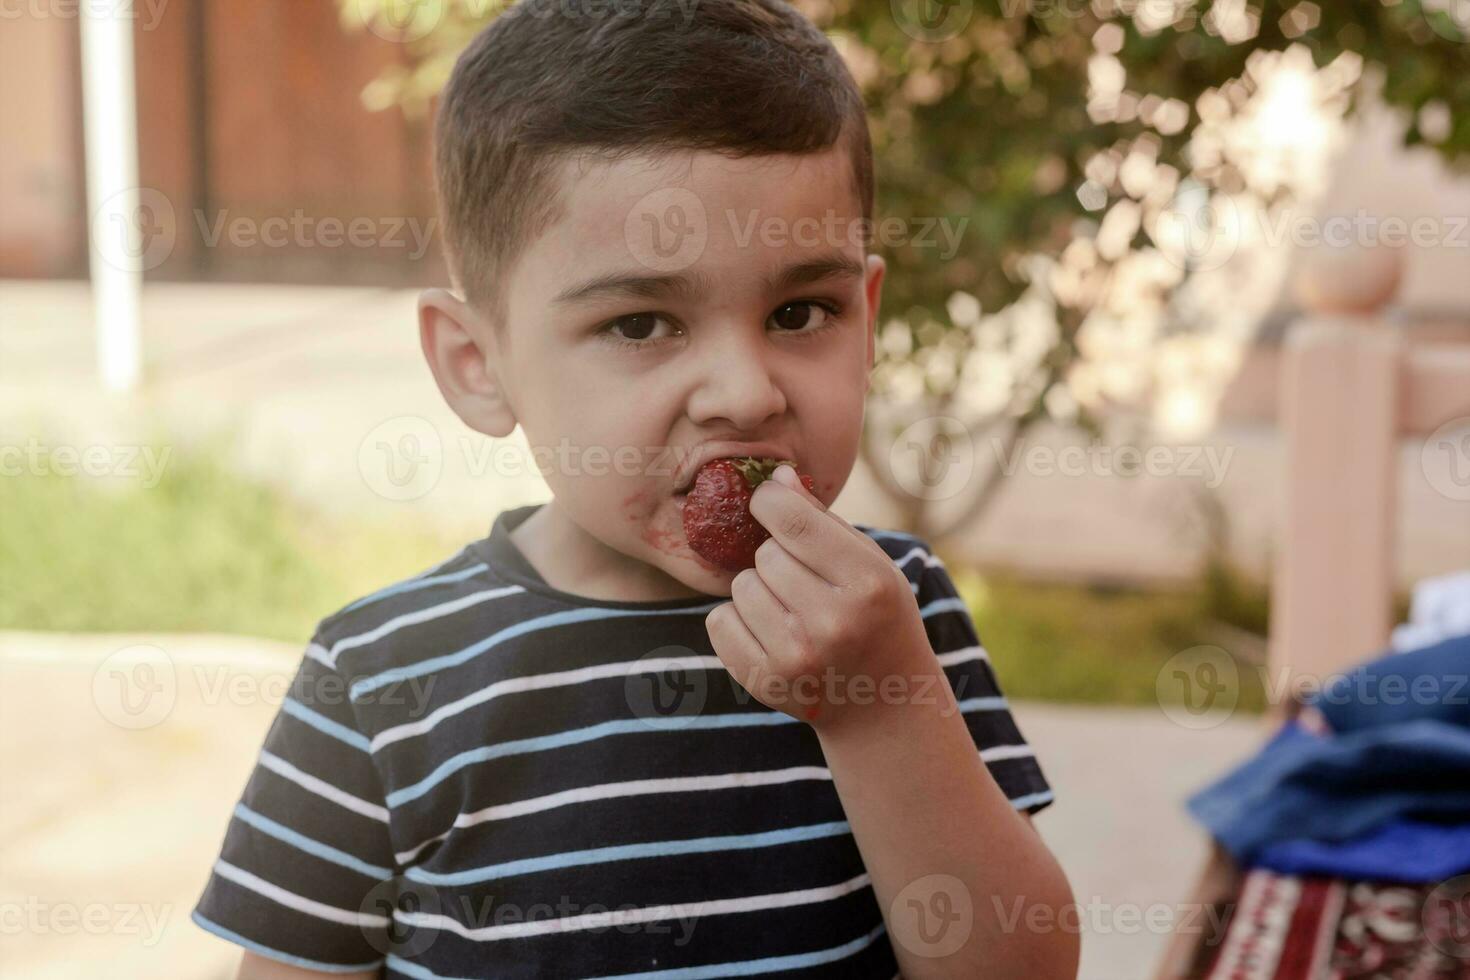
(825, 626)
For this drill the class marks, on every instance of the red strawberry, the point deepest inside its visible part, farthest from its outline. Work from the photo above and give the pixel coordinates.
(717, 518)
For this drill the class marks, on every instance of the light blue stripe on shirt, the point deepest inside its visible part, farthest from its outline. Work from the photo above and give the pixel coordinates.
(414, 584)
(947, 604)
(874, 532)
(1031, 799)
(621, 726)
(375, 681)
(743, 968)
(750, 968)
(995, 703)
(414, 971)
(577, 736)
(313, 847)
(276, 954)
(326, 725)
(623, 852)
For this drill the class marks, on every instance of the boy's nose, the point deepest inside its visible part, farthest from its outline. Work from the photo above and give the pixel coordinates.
(736, 384)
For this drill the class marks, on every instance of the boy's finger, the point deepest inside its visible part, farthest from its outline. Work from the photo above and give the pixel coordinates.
(797, 586)
(762, 611)
(787, 477)
(803, 529)
(733, 642)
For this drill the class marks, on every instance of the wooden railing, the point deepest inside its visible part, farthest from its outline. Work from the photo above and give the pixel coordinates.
(1353, 388)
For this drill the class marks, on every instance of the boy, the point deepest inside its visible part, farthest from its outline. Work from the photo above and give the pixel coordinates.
(578, 748)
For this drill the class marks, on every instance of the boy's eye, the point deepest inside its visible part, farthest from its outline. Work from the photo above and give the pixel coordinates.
(635, 326)
(799, 317)
(804, 314)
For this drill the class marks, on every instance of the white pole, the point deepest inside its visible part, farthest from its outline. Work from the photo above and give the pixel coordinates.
(120, 232)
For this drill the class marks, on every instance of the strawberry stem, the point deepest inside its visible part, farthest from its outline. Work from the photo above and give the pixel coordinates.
(758, 470)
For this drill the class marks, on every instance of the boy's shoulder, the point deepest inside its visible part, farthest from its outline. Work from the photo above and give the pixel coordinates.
(464, 581)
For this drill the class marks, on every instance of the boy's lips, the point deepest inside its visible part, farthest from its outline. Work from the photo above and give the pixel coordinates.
(709, 451)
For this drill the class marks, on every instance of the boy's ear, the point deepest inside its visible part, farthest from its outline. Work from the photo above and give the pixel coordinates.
(459, 345)
(873, 289)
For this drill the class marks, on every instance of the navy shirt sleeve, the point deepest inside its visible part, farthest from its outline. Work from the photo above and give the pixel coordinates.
(305, 873)
(1010, 759)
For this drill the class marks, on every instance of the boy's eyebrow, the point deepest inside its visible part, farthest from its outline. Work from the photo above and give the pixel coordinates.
(835, 265)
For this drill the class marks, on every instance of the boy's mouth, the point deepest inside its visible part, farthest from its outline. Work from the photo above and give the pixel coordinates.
(721, 449)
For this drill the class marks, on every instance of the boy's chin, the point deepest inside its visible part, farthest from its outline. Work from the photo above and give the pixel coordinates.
(712, 579)
(705, 577)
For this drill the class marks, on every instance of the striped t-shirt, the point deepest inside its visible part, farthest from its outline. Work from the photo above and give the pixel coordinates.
(475, 774)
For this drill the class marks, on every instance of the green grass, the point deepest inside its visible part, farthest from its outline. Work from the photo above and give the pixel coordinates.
(207, 550)
(1058, 642)
(204, 550)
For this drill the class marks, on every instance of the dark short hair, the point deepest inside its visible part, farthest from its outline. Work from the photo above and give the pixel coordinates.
(549, 80)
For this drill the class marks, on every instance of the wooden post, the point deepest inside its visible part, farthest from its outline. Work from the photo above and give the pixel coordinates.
(1333, 586)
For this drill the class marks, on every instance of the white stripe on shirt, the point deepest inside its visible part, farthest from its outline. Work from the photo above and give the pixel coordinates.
(419, 616)
(999, 753)
(291, 900)
(539, 682)
(963, 655)
(563, 678)
(322, 788)
(931, 561)
(620, 917)
(631, 787)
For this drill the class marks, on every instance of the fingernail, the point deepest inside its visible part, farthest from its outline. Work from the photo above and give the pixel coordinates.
(786, 475)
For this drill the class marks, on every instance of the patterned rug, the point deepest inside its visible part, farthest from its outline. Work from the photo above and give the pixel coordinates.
(1290, 928)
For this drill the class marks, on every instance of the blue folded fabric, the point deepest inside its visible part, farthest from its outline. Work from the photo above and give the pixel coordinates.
(1432, 683)
(1388, 787)
(1400, 850)
(1333, 788)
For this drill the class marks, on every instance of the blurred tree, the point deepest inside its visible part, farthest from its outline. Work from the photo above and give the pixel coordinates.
(1099, 157)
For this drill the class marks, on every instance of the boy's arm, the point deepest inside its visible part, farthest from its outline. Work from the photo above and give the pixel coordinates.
(253, 967)
(823, 622)
(966, 885)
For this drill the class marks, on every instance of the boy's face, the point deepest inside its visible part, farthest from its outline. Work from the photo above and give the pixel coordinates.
(642, 335)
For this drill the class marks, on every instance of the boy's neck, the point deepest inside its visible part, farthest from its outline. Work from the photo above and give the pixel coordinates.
(571, 560)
